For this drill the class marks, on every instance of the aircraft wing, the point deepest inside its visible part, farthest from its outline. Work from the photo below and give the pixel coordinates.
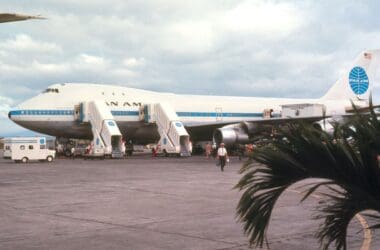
(12, 17)
(204, 130)
(363, 109)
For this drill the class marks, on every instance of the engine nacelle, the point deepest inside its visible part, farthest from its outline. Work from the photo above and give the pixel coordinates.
(234, 134)
(326, 125)
(250, 127)
(230, 136)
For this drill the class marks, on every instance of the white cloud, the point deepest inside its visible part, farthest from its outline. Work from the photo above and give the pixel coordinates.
(5, 105)
(91, 60)
(24, 43)
(133, 62)
(263, 18)
(189, 36)
(123, 73)
(49, 67)
(7, 68)
(202, 34)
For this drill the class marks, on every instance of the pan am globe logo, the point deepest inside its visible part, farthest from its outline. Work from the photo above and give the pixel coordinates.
(358, 80)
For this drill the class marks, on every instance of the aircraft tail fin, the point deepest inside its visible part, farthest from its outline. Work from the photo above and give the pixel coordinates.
(356, 83)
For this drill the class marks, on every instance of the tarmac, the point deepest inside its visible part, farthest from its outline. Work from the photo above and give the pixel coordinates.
(145, 203)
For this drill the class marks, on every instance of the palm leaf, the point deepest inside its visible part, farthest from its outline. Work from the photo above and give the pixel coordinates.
(346, 161)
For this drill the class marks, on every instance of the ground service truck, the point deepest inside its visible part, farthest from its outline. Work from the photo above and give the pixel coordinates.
(24, 149)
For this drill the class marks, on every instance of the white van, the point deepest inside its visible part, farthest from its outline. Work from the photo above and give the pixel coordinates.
(7, 149)
(25, 149)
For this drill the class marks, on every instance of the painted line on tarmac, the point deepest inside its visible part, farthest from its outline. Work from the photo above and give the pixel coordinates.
(367, 232)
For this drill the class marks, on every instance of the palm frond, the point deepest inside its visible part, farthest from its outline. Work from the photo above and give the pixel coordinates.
(346, 161)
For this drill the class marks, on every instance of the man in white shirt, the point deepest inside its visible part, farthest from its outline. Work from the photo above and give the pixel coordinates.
(223, 156)
(73, 152)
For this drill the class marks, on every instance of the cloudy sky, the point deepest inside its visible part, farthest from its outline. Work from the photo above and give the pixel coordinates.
(226, 47)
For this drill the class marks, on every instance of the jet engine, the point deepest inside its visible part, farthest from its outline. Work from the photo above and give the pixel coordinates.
(327, 125)
(238, 133)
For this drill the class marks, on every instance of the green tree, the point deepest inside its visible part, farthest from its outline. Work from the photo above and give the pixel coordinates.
(345, 162)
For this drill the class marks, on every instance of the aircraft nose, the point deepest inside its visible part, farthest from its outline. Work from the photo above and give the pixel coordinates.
(10, 115)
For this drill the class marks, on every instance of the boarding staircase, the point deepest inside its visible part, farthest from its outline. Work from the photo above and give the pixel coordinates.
(107, 139)
(174, 138)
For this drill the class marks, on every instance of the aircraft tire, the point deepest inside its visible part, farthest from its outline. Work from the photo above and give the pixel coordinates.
(67, 153)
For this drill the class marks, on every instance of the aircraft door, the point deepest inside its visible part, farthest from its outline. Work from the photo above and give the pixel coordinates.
(77, 113)
(218, 113)
(268, 113)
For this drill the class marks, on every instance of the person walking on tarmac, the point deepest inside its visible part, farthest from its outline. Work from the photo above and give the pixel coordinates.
(222, 156)
(214, 150)
(73, 152)
(208, 150)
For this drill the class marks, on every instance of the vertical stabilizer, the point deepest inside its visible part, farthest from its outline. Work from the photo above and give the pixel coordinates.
(357, 81)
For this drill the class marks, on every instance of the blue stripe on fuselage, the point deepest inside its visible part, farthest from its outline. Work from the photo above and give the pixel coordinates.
(42, 112)
(124, 113)
(217, 114)
(33, 112)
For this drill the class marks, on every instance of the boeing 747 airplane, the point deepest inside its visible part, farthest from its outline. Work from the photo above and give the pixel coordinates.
(106, 113)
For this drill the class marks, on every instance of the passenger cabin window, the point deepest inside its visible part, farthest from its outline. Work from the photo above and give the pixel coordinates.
(22, 147)
(31, 147)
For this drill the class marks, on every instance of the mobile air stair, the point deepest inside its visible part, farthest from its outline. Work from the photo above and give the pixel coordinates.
(107, 139)
(174, 138)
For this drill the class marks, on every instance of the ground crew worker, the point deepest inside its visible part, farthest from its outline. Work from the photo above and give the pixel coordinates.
(155, 150)
(222, 156)
(214, 150)
(249, 148)
(123, 148)
(73, 152)
(190, 147)
(208, 150)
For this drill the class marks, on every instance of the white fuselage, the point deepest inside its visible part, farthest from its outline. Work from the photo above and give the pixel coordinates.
(53, 112)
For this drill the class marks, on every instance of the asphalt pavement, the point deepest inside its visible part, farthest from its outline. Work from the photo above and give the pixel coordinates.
(143, 203)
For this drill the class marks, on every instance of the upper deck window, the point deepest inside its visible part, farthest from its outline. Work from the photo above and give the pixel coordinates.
(51, 90)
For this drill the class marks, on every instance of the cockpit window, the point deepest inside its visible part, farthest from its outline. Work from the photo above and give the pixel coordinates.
(51, 90)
